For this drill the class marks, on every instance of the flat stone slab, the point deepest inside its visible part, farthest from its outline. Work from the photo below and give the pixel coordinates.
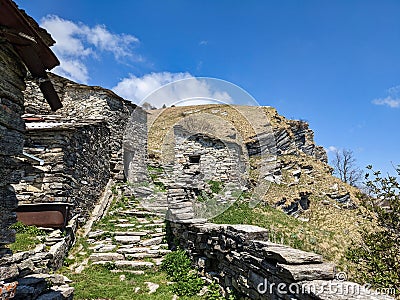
(138, 213)
(94, 234)
(288, 255)
(153, 241)
(323, 271)
(131, 264)
(138, 233)
(106, 256)
(127, 239)
(141, 255)
(157, 225)
(125, 225)
(132, 250)
(105, 248)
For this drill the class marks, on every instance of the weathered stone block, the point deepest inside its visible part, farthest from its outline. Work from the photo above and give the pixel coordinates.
(288, 255)
(306, 272)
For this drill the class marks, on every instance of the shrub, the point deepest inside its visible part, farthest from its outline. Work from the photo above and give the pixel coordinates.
(378, 258)
(178, 266)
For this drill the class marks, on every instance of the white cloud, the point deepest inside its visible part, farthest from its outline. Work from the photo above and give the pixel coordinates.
(331, 149)
(75, 42)
(203, 43)
(393, 103)
(73, 69)
(392, 100)
(187, 90)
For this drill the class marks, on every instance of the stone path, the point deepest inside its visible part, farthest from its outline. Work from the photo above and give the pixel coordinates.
(130, 238)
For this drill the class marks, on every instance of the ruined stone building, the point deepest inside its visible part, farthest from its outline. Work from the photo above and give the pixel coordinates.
(24, 50)
(78, 150)
(61, 143)
(207, 158)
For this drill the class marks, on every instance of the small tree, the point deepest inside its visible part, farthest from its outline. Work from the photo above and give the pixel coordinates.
(378, 258)
(345, 167)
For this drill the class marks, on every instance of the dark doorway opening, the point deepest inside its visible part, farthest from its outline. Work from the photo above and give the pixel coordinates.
(194, 159)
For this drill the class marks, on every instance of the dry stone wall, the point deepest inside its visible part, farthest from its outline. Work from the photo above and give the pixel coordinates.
(30, 269)
(200, 158)
(11, 134)
(81, 147)
(75, 166)
(83, 103)
(241, 259)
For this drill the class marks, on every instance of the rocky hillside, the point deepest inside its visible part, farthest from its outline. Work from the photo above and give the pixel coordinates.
(320, 212)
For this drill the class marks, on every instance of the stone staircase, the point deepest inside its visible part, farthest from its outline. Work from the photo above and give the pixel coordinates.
(129, 238)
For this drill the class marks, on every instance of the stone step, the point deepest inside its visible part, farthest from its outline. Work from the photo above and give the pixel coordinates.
(94, 234)
(153, 241)
(125, 225)
(132, 264)
(138, 213)
(141, 255)
(132, 250)
(132, 233)
(127, 239)
(160, 246)
(110, 256)
(103, 248)
(157, 225)
(157, 234)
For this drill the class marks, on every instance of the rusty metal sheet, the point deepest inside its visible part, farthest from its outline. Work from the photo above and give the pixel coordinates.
(52, 219)
(51, 215)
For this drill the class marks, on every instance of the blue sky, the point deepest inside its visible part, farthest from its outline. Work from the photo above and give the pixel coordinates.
(335, 64)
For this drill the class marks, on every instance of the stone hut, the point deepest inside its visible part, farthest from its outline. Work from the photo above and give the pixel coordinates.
(206, 176)
(24, 48)
(203, 158)
(75, 153)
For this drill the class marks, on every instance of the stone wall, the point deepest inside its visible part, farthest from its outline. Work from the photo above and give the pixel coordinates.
(75, 165)
(241, 260)
(81, 146)
(30, 269)
(200, 158)
(206, 176)
(82, 103)
(135, 147)
(11, 134)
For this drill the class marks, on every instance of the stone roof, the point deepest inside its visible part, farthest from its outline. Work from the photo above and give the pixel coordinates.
(32, 45)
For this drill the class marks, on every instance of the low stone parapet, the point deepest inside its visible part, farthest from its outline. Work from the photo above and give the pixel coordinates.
(241, 259)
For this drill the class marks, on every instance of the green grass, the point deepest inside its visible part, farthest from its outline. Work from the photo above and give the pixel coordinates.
(24, 242)
(282, 228)
(26, 238)
(97, 282)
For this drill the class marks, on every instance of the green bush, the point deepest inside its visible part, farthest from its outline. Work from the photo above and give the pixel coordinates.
(178, 266)
(189, 286)
(377, 260)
